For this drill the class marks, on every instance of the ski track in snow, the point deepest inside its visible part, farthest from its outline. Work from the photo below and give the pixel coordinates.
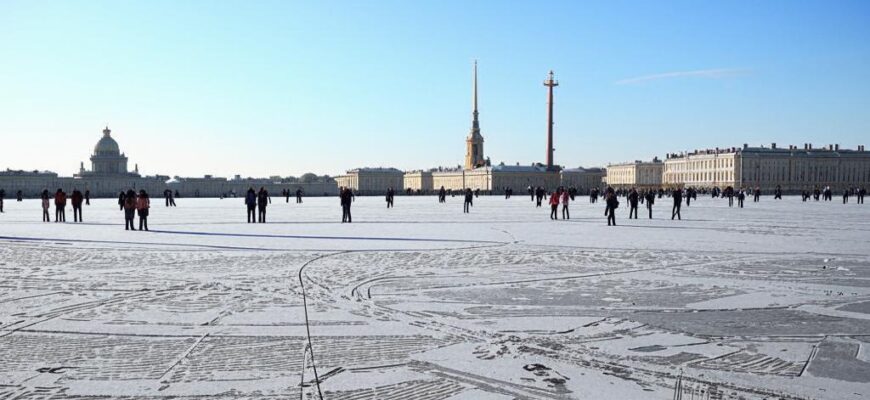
(424, 302)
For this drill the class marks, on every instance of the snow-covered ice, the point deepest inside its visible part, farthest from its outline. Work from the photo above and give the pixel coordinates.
(425, 302)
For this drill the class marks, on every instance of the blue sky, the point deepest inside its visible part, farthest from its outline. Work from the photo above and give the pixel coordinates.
(281, 88)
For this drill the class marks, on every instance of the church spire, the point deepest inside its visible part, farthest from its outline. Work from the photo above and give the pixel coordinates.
(474, 142)
(475, 124)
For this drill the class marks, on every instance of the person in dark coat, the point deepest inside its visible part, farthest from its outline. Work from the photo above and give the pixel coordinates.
(740, 197)
(263, 200)
(46, 205)
(539, 196)
(650, 200)
(678, 202)
(391, 195)
(777, 193)
(633, 198)
(299, 196)
(346, 197)
(129, 210)
(251, 204)
(19, 196)
(121, 197)
(845, 196)
(87, 197)
(861, 193)
(60, 206)
(756, 194)
(611, 203)
(469, 201)
(76, 199)
(2, 196)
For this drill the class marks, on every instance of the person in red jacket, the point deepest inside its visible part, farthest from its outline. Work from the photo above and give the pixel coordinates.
(77, 199)
(143, 204)
(129, 210)
(554, 205)
(60, 206)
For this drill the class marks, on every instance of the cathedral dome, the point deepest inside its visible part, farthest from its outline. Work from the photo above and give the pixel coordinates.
(107, 146)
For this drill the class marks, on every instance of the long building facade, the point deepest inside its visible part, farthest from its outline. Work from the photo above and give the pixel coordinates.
(793, 168)
(583, 179)
(637, 174)
(372, 181)
(109, 175)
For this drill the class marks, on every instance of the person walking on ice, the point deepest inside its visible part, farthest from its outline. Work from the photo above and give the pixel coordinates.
(678, 202)
(650, 200)
(391, 195)
(469, 199)
(633, 198)
(611, 203)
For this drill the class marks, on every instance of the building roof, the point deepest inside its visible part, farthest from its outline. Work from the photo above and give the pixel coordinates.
(581, 169)
(107, 146)
(382, 170)
(520, 168)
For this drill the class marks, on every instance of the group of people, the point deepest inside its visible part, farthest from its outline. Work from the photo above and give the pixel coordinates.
(286, 194)
(77, 199)
(560, 196)
(169, 197)
(256, 203)
(133, 203)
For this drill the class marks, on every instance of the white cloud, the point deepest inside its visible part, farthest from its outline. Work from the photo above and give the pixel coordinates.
(719, 73)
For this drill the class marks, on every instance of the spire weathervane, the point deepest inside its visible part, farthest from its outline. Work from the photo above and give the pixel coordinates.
(475, 124)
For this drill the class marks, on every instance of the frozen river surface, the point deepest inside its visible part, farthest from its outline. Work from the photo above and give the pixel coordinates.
(421, 301)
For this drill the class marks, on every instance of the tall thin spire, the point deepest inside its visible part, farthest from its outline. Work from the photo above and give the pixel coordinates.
(475, 124)
(474, 141)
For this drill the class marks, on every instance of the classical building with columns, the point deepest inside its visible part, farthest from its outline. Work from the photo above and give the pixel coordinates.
(793, 168)
(107, 159)
(372, 181)
(637, 174)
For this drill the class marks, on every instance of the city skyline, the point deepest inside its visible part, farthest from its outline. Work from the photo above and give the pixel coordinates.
(190, 90)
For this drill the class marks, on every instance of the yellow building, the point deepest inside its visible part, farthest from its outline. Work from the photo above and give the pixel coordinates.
(637, 174)
(418, 181)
